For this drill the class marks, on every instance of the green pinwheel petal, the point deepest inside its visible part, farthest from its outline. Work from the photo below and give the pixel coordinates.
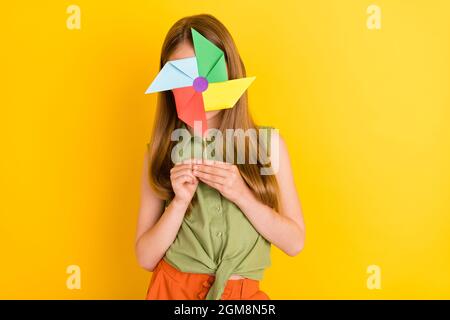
(210, 59)
(219, 72)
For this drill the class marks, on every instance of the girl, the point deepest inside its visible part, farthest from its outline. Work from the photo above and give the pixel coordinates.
(205, 228)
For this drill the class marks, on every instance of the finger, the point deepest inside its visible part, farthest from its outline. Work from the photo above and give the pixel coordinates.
(183, 179)
(212, 184)
(209, 177)
(179, 167)
(186, 172)
(215, 163)
(211, 170)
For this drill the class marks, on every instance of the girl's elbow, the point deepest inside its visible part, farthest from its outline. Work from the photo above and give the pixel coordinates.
(295, 250)
(297, 247)
(144, 261)
(145, 264)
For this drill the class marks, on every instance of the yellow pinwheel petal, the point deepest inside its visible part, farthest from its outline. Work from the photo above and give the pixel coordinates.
(224, 95)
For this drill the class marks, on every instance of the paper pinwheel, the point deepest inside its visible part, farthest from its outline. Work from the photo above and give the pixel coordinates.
(200, 83)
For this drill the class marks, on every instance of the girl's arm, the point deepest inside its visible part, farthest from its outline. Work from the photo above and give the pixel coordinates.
(285, 229)
(157, 228)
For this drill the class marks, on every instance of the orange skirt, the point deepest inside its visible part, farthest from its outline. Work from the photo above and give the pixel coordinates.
(168, 283)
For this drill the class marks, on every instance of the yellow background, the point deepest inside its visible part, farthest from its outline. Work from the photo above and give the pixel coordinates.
(365, 114)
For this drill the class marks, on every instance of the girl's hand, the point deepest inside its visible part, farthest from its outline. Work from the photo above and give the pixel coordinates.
(224, 177)
(184, 183)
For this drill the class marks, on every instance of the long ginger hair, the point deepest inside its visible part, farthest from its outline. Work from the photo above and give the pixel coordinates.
(265, 187)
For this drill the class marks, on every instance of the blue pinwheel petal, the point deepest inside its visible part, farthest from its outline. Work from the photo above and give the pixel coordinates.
(175, 74)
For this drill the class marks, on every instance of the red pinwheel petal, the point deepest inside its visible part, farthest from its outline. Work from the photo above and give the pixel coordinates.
(190, 106)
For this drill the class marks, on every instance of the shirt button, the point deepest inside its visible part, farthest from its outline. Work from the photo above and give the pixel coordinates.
(219, 234)
(218, 208)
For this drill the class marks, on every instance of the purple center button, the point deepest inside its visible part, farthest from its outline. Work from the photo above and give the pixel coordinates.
(200, 84)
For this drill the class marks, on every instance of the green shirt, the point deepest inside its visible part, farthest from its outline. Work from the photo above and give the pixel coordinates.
(216, 237)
